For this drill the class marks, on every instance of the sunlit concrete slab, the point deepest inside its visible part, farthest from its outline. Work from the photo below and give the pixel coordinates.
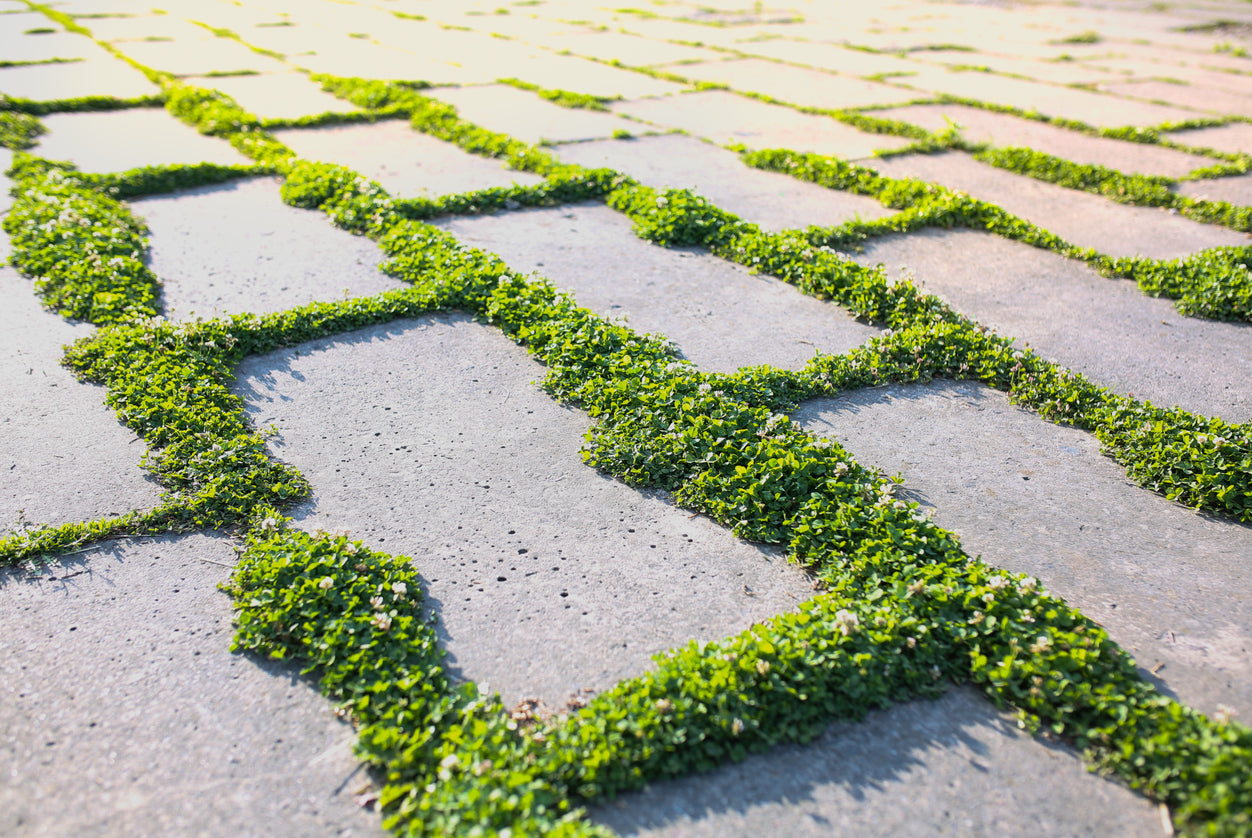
(429, 438)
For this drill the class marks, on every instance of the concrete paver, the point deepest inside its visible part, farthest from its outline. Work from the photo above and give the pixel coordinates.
(526, 116)
(236, 247)
(429, 439)
(1078, 217)
(1234, 138)
(984, 126)
(1106, 329)
(277, 95)
(114, 141)
(1037, 498)
(1235, 190)
(796, 85)
(947, 767)
(774, 201)
(63, 454)
(726, 118)
(405, 162)
(123, 712)
(105, 77)
(718, 314)
(1068, 102)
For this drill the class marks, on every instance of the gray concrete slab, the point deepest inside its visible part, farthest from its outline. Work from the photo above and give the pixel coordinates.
(948, 767)
(406, 162)
(724, 117)
(983, 126)
(1235, 190)
(835, 57)
(632, 50)
(796, 85)
(1037, 498)
(1071, 103)
(277, 95)
(773, 201)
(198, 55)
(1234, 138)
(63, 454)
(123, 712)
(567, 72)
(1078, 217)
(719, 315)
(114, 141)
(21, 40)
(525, 116)
(429, 438)
(1206, 99)
(236, 247)
(43, 82)
(1106, 329)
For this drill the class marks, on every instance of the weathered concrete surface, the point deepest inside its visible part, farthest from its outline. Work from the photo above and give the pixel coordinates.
(200, 54)
(1078, 217)
(236, 247)
(984, 126)
(1038, 498)
(724, 118)
(103, 77)
(123, 712)
(118, 140)
(405, 162)
(18, 41)
(796, 85)
(1233, 138)
(771, 200)
(63, 454)
(526, 116)
(948, 767)
(277, 95)
(718, 314)
(1108, 330)
(1235, 190)
(428, 438)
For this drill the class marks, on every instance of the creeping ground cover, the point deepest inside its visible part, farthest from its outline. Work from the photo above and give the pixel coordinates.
(902, 612)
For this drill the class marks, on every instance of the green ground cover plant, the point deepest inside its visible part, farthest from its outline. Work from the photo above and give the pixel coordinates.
(904, 611)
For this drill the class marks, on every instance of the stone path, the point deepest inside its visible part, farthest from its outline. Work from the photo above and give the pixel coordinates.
(123, 710)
